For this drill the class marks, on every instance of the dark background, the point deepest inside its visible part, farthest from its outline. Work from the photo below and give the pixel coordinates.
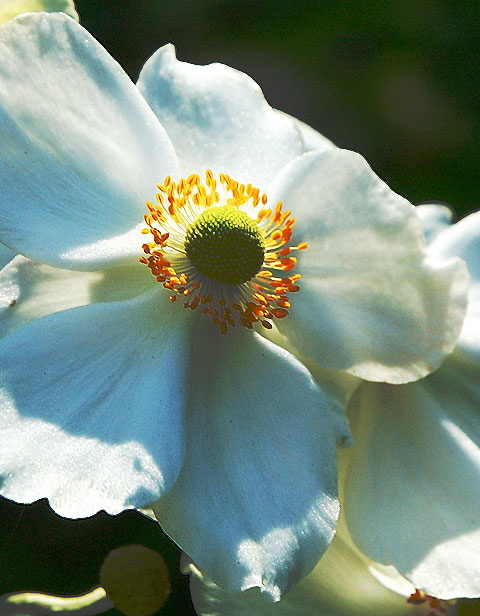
(397, 81)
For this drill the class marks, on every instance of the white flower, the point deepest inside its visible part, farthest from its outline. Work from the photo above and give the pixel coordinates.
(129, 397)
(412, 487)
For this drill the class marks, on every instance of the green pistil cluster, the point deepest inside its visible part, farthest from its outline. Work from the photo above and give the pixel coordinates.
(225, 244)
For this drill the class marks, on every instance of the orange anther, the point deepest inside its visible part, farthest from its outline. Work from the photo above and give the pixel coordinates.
(259, 300)
(288, 262)
(279, 313)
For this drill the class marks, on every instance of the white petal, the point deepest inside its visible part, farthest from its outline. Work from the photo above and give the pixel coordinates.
(30, 290)
(412, 493)
(6, 255)
(255, 503)
(340, 585)
(435, 218)
(337, 387)
(312, 139)
(92, 404)
(217, 118)
(461, 240)
(81, 150)
(371, 302)
(11, 8)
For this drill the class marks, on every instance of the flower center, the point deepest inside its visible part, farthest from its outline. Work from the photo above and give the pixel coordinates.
(219, 247)
(225, 244)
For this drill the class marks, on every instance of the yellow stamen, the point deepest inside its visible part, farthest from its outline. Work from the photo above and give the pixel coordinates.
(179, 207)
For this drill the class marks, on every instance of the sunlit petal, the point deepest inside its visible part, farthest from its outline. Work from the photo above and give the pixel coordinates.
(371, 302)
(412, 494)
(255, 502)
(81, 150)
(312, 139)
(217, 118)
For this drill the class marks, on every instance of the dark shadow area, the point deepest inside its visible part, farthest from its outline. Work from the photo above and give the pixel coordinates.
(41, 551)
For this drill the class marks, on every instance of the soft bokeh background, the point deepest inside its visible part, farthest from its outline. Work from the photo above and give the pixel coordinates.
(397, 81)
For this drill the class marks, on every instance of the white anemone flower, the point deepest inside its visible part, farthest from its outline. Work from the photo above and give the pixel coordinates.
(112, 394)
(412, 481)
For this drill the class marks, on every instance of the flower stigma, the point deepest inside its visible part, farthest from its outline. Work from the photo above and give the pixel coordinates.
(219, 247)
(225, 244)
